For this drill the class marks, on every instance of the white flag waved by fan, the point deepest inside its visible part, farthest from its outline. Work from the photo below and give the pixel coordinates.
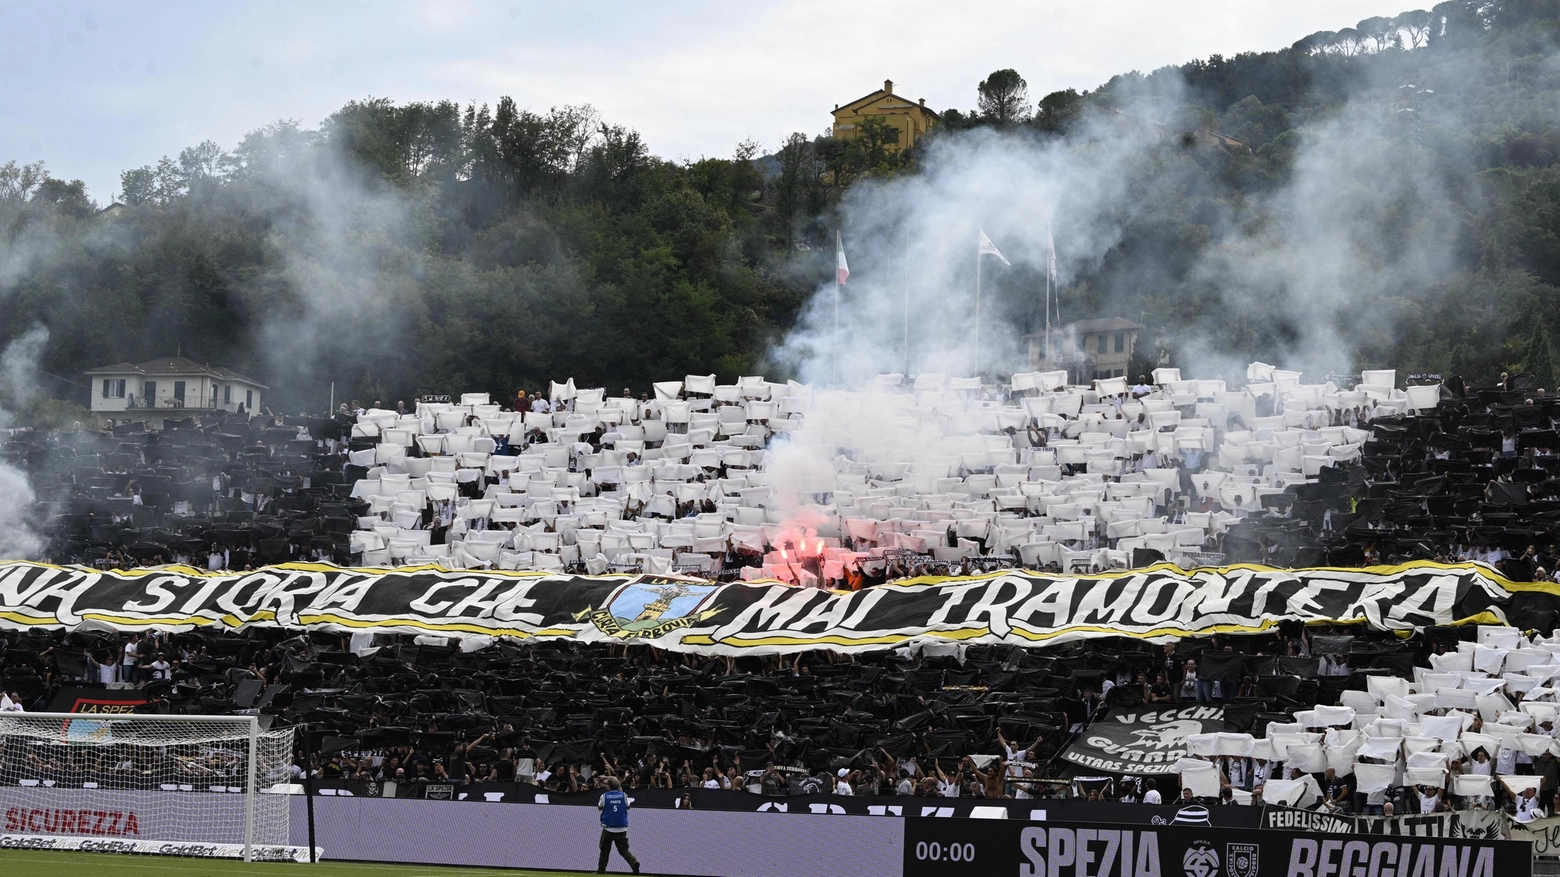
(987, 247)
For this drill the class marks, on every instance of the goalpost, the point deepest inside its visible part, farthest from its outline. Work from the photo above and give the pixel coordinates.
(171, 785)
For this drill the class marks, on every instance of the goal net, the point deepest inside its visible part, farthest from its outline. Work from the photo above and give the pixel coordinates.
(176, 785)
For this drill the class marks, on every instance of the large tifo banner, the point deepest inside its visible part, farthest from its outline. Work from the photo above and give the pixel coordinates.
(1157, 603)
(977, 848)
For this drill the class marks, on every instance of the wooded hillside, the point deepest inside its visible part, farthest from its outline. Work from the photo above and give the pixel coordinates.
(430, 247)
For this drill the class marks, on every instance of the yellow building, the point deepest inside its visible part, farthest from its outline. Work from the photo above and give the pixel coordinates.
(911, 119)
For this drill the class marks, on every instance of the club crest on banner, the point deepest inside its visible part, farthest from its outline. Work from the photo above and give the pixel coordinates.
(1241, 859)
(652, 607)
(1201, 860)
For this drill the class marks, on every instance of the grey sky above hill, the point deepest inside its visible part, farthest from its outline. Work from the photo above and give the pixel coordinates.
(95, 88)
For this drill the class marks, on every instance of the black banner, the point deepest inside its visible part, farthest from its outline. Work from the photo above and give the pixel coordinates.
(979, 848)
(1143, 741)
(1034, 809)
(103, 701)
(1157, 603)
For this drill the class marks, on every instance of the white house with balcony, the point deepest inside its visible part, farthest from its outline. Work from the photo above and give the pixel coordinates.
(171, 387)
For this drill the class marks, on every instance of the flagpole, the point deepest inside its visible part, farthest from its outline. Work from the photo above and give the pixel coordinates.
(907, 303)
(977, 310)
(839, 246)
(1050, 260)
(1051, 273)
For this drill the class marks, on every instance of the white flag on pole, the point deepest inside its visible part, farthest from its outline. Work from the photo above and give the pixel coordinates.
(1050, 259)
(989, 248)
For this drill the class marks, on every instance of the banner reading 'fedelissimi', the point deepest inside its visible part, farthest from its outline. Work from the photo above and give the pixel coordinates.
(1158, 603)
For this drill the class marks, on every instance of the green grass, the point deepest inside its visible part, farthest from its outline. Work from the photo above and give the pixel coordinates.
(38, 863)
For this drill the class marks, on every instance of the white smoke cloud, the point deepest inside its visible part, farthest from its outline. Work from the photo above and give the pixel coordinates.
(1296, 275)
(912, 245)
(19, 538)
(343, 283)
(1300, 276)
(1333, 260)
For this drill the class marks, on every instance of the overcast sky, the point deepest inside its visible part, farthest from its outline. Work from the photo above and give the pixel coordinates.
(95, 88)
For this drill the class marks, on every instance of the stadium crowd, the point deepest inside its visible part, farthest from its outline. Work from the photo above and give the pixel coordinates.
(979, 721)
(931, 476)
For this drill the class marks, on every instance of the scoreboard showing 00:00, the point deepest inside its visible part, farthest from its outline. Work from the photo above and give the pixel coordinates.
(936, 847)
(937, 851)
(960, 848)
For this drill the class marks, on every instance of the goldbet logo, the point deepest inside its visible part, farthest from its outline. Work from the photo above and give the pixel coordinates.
(203, 850)
(108, 846)
(27, 843)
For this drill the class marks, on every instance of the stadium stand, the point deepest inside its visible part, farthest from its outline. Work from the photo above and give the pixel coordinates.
(759, 480)
(765, 480)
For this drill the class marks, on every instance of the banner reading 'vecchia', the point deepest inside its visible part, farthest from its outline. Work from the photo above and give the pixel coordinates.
(1158, 603)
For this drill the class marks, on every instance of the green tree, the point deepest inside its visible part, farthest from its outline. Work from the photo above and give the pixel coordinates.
(874, 140)
(1349, 42)
(1003, 97)
(1317, 43)
(18, 182)
(70, 197)
(1415, 24)
(1058, 110)
(797, 162)
(1254, 123)
(137, 186)
(200, 163)
(1381, 31)
(956, 120)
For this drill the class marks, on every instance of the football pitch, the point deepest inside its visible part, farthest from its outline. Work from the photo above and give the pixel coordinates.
(37, 863)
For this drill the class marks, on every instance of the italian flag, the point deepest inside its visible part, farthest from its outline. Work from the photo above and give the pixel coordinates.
(841, 270)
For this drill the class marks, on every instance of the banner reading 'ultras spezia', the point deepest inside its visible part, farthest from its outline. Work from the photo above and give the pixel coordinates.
(1158, 603)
